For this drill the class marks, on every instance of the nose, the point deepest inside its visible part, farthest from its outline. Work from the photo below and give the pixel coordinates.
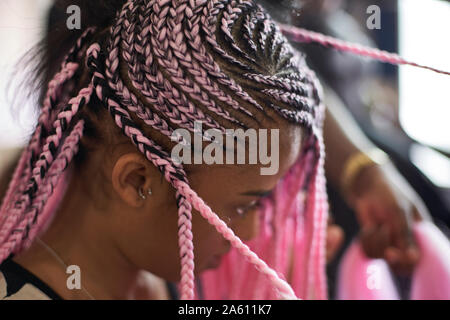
(246, 228)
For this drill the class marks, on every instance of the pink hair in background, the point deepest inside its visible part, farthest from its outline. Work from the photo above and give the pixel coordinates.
(431, 279)
(361, 278)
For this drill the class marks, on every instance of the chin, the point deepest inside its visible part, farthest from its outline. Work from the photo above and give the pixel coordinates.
(213, 262)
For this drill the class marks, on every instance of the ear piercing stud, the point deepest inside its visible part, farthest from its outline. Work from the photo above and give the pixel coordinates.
(142, 195)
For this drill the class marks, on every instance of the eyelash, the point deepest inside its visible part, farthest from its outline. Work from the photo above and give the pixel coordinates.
(242, 211)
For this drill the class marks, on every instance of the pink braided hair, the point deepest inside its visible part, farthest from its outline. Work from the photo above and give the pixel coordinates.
(59, 143)
(22, 175)
(113, 107)
(302, 35)
(287, 259)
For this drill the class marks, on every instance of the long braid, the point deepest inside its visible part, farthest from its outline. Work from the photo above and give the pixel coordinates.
(22, 171)
(248, 27)
(68, 68)
(216, 10)
(317, 214)
(230, 15)
(46, 157)
(206, 62)
(284, 288)
(35, 222)
(186, 244)
(34, 173)
(302, 35)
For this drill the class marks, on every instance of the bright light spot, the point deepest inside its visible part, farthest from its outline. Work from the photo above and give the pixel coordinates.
(433, 164)
(21, 27)
(425, 95)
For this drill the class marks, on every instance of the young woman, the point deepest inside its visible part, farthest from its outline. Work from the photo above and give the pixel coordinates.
(126, 212)
(102, 193)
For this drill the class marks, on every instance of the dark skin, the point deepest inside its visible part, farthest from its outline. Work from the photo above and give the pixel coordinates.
(385, 204)
(125, 245)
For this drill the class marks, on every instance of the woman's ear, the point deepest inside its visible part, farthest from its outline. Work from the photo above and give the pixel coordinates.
(131, 178)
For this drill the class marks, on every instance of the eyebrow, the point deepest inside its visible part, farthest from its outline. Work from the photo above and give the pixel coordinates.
(257, 193)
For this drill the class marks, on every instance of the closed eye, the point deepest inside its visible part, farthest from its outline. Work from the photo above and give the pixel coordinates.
(257, 193)
(254, 205)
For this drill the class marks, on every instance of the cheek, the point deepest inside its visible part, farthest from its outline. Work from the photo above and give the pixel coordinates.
(156, 248)
(246, 227)
(207, 241)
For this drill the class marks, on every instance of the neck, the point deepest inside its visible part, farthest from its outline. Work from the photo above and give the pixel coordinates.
(105, 273)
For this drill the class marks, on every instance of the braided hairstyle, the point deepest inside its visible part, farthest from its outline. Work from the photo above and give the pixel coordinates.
(160, 65)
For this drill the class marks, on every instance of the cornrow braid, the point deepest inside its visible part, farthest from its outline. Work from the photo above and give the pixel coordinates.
(229, 18)
(157, 84)
(217, 10)
(209, 28)
(179, 45)
(128, 98)
(248, 27)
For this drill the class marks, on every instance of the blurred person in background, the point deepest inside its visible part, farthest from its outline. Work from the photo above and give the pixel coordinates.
(382, 204)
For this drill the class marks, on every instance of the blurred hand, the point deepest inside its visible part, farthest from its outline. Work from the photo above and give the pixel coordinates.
(386, 207)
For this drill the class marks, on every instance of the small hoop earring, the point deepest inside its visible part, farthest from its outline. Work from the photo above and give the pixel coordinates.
(141, 194)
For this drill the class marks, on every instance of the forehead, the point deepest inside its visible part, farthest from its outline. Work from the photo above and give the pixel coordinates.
(244, 177)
